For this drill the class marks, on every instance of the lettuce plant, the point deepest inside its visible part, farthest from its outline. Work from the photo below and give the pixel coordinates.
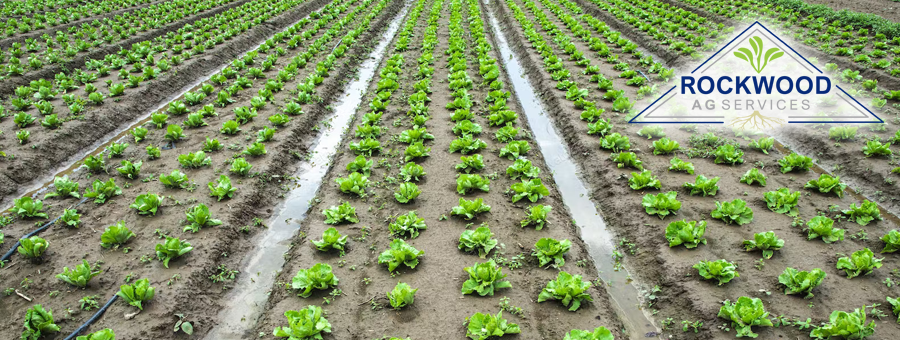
(681, 166)
(703, 186)
(80, 275)
(193, 160)
(891, 241)
(828, 184)
(368, 147)
(27, 207)
(763, 144)
(745, 313)
(466, 127)
(537, 216)
(728, 154)
(102, 191)
(240, 166)
(483, 326)
(690, 234)
(895, 303)
(467, 145)
(402, 295)
(736, 212)
(308, 323)
(506, 134)
(644, 180)
(172, 248)
(801, 282)
(467, 183)
(176, 179)
(199, 217)
(222, 188)
(64, 188)
(407, 192)
(876, 148)
(469, 164)
(130, 170)
(469, 209)
(550, 251)
(399, 253)
(651, 131)
(627, 159)
(842, 133)
(720, 270)
(783, 201)
(33, 247)
(146, 204)
(795, 162)
(601, 127)
(355, 183)
(532, 189)
(846, 325)
(415, 151)
(861, 262)
(138, 293)
(863, 214)
(331, 239)
(569, 289)
(103, 334)
(665, 146)
(38, 322)
(408, 225)
(765, 241)
(599, 333)
(661, 204)
(413, 136)
(255, 149)
(515, 149)
(821, 226)
(344, 213)
(361, 165)
(522, 168)
(615, 142)
(412, 172)
(484, 279)
(70, 218)
(480, 239)
(319, 276)
(116, 235)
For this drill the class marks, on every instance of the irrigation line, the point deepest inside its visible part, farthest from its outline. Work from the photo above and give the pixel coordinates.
(94, 318)
(36, 231)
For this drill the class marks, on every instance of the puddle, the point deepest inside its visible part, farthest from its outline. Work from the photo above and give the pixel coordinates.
(598, 238)
(247, 300)
(73, 164)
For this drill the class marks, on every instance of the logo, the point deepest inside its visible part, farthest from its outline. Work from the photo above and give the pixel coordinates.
(757, 81)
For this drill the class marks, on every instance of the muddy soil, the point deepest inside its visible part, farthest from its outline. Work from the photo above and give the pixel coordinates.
(685, 296)
(48, 149)
(362, 312)
(185, 287)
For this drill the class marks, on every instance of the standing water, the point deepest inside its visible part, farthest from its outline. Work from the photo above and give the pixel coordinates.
(575, 195)
(246, 302)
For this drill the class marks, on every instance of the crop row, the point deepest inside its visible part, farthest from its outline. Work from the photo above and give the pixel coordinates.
(34, 54)
(149, 210)
(27, 16)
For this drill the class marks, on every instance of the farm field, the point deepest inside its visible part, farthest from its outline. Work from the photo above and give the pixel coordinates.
(181, 169)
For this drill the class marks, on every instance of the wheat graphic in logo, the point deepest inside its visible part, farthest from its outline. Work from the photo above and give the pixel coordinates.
(756, 58)
(756, 121)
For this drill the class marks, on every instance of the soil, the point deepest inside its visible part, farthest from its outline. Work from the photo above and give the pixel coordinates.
(887, 9)
(185, 287)
(439, 275)
(684, 295)
(46, 149)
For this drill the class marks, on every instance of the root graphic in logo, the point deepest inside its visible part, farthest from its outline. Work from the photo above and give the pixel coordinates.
(780, 87)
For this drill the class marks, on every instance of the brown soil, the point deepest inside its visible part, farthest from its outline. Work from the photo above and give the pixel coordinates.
(686, 296)
(184, 287)
(439, 305)
(47, 149)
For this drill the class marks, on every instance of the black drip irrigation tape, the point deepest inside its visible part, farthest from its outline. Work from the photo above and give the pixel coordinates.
(93, 318)
(35, 232)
